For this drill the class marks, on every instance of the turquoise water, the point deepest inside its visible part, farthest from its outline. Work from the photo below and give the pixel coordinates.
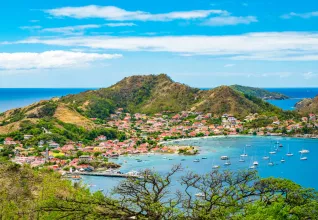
(302, 172)
(295, 94)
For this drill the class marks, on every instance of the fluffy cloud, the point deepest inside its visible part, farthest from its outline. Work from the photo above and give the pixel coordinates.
(289, 46)
(120, 24)
(300, 15)
(115, 13)
(34, 27)
(71, 29)
(50, 59)
(309, 75)
(229, 20)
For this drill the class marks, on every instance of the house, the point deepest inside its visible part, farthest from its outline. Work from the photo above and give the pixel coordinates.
(101, 138)
(85, 158)
(9, 141)
(312, 117)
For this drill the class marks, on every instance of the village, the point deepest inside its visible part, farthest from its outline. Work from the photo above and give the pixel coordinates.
(147, 134)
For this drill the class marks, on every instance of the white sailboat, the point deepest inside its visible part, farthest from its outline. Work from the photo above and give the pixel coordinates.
(227, 162)
(244, 153)
(252, 165)
(289, 154)
(270, 163)
(215, 166)
(255, 163)
(273, 151)
(241, 159)
(302, 157)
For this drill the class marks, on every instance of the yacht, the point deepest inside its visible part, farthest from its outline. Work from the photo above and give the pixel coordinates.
(255, 163)
(224, 157)
(265, 157)
(303, 151)
(252, 167)
(282, 160)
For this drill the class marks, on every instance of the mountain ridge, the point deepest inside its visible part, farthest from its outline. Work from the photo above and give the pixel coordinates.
(140, 93)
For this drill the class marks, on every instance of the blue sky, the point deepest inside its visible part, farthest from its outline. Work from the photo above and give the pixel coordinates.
(201, 43)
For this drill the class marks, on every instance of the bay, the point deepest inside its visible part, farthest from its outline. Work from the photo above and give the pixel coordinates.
(233, 146)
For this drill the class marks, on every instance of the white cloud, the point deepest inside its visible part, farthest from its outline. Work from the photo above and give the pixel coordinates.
(120, 24)
(34, 27)
(115, 13)
(289, 46)
(229, 20)
(229, 65)
(71, 29)
(300, 15)
(309, 75)
(50, 59)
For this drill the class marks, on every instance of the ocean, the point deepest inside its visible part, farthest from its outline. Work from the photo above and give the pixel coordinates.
(295, 94)
(19, 97)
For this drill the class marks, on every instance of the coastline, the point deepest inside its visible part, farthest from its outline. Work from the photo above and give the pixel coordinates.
(238, 135)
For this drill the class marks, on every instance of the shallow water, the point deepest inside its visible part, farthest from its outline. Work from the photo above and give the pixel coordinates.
(302, 172)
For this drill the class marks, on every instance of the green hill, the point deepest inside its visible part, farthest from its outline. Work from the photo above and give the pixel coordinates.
(145, 94)
(258, 92)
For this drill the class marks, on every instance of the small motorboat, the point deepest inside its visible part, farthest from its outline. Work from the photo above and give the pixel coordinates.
(265, 157)
(303, 151)
(252, 167)
(215, 167)
(199, 195)
(196, 160)
(204, 158)
(224, 157)
(282, 160)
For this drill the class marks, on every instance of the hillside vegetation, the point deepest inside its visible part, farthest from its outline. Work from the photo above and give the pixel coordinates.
(144, 94)
(306, 106)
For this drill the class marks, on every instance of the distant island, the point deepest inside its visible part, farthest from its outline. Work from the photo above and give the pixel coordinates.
(260, 93)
